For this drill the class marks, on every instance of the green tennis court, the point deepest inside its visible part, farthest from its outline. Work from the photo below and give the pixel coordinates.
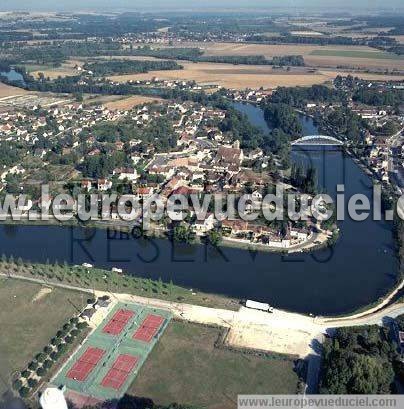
(108, 361)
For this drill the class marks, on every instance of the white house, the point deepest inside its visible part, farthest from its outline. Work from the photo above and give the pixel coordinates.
(104, 184)
(201, 227)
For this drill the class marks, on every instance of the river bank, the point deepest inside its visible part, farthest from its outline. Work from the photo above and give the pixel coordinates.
(361, 265)
(316, 241)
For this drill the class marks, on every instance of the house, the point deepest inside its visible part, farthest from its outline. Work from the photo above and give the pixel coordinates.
(104, 184)
(201, 227)
(228, 158)
(144, 193)
(86, 184)
(254, 154)
(94, 152)
(235, 226)
(126, 173)
(183, 191)
(299, 234)
(256, 196)
(401, 338)
(119, 145)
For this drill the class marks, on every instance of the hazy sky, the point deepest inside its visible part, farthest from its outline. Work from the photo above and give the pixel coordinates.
(156, 5)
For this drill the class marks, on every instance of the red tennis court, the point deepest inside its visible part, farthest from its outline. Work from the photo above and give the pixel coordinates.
(118, 322)
(85, 364)
(149, 328)
(119, 371)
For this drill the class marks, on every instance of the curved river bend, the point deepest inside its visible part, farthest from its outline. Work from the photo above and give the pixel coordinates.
(357, 271)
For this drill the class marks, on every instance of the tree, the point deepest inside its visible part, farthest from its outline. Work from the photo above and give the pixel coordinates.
(358, 361)
(215, 237)
(24, 392)
(25, 374)
(17, 384)
(47, 364)
(183, 233)
(41, 371)
(32, 382)
(33, 365)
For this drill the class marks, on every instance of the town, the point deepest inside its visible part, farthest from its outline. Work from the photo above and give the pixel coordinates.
(176, 186)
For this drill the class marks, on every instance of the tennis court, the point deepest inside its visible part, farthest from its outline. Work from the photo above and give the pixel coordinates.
(118, 322)
(149, 328)
(120, 371)
(104, 367)
(85, 364)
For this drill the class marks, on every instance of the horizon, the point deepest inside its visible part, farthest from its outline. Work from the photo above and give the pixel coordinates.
(342, 7)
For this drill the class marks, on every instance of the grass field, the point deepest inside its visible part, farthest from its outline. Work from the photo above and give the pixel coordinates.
(358, 54)
(66, 69)
(185, 367)
(30, 315)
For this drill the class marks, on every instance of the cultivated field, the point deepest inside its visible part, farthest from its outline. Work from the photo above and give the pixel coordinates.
(30, 315)
(128, 103)
(400, 39)
(8, 91)
(307, 52)
(231, 76)
(378, 55)
(186, 367)
(331, 74)
(249, 76)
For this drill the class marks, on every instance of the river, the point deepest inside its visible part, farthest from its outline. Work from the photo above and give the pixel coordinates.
(357, 271)
(13, 75)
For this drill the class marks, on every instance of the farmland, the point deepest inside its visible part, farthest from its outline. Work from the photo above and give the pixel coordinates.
(349, 56)
(8, 91)
(358, 54)
(128, 103)
(226, 75)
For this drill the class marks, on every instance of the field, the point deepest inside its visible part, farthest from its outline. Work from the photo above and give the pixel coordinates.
(249, 76)
(128, 103)
(231, 76)
(30, 315)
(66, 69)
(197, 373)
(331, 74)
(8, 91)
(379, 55)
(306, 51)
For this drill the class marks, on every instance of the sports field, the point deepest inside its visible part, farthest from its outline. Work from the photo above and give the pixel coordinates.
(30, 315)
(108, 362)
(185, 366)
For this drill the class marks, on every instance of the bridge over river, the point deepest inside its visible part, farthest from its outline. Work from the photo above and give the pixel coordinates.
(317, 140)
